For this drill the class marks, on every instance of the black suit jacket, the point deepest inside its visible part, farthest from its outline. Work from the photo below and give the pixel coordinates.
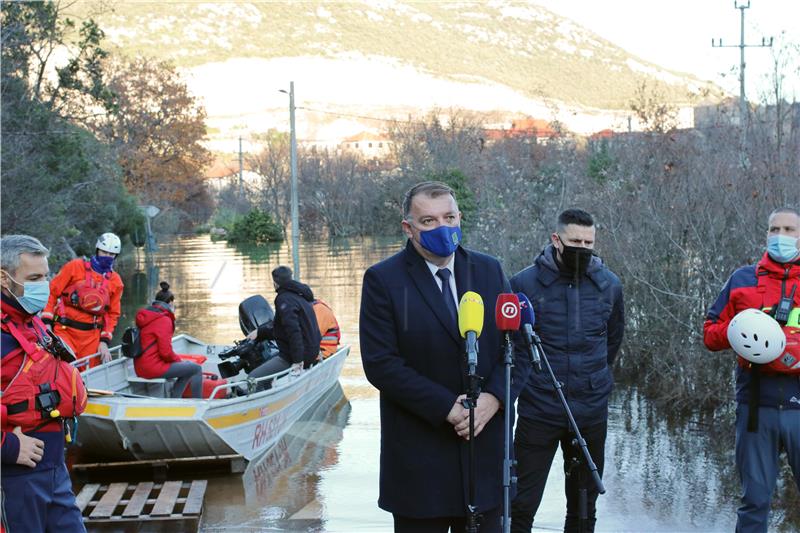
(412, 352)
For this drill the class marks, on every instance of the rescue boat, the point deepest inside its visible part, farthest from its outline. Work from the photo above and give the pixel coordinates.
(129, 417)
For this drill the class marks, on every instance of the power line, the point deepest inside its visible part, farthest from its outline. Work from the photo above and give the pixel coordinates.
(741, 46)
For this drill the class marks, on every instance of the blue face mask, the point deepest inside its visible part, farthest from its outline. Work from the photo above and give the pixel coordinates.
(782, 248)
(102, 263)
(442, 241)
(34, 295)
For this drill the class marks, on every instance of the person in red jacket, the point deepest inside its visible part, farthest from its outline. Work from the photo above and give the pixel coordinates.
(36, 488)
(84, 303)
(768, 411)
(156, 325)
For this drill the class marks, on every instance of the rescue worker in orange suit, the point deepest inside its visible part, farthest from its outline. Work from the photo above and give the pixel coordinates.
(84, 303)
(37, 403)
(328, 327)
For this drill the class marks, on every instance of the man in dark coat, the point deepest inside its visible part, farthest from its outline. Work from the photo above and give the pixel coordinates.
(412, 352)
(294, 328)
(580, 318)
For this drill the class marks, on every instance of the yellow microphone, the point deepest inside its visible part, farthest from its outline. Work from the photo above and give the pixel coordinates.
(470, 323)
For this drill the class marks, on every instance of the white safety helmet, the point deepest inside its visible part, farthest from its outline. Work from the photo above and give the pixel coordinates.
(756, 336)
(108, 242)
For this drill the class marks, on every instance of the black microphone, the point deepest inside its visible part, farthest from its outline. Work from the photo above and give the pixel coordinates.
(527, 320)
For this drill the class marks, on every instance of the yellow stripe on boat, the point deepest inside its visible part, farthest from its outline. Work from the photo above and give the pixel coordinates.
(97, 409)
(160, 412)
(235, 419)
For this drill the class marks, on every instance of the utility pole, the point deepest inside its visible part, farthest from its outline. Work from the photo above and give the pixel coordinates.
(743, 114)
(241, 180)
(295, 218)
(293, 164)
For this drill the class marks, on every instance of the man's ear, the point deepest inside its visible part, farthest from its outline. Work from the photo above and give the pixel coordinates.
(5, 280)
(555, 240)
(406, 228)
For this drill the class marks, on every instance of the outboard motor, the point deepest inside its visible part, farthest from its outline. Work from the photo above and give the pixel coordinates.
(253, 312)
(248, 355)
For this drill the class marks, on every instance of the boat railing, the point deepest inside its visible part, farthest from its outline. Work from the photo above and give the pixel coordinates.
(251, 383)
(83, 363)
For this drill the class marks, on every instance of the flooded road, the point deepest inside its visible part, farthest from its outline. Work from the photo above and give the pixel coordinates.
(662, 475)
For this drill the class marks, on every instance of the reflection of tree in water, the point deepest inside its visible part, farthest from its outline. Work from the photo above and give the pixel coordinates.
(261, 253)
(681, 468)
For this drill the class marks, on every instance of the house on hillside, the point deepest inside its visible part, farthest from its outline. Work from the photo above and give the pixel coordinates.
(224, 171)
(724, 113)
(370, 145)
(529, 129)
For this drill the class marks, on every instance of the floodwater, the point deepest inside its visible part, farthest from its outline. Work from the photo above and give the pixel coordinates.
(662, 474)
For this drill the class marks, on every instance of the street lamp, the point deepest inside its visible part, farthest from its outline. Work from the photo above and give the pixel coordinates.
(293, 163)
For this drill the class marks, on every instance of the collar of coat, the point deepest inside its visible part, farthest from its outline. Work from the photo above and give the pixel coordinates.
(466, 280)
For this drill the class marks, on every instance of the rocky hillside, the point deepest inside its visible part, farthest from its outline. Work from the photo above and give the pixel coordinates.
(524, 48)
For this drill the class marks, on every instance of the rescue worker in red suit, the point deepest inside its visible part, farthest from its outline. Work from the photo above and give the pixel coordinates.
(39, 392)
(156, 324)
(768, 396)
(84, 303)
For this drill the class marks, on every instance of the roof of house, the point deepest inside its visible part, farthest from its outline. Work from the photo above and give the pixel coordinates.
(526, 127)
(223, 165)
(603, 134)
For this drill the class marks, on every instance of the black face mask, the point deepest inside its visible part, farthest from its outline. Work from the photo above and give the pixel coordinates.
(575, 259)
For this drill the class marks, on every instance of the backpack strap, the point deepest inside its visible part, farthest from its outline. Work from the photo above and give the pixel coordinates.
(148, 347)
(30, 348)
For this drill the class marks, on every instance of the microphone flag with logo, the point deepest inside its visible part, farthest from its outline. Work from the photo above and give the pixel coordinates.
(470, 323)
(506, 312)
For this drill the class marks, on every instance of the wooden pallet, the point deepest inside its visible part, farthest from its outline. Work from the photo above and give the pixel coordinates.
(157, 469)
(121, 503)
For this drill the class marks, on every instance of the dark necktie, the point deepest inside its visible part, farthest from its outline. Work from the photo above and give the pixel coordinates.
(444, 274)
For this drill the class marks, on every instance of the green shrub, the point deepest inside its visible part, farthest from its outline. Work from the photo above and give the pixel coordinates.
(256, 227)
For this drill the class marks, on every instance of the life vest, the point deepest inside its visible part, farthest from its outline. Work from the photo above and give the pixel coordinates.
(88, 294)
(43, 389)
(789, 361)
(328, 327)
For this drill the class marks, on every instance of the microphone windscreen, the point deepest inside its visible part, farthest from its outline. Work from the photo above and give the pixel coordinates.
(470, 314)
(506, 312)
(527, 316)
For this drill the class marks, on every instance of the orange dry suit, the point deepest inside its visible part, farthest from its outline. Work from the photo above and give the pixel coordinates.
(84, 307)
(328, 327)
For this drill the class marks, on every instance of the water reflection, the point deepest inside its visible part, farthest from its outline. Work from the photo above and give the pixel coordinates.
(670, 473)
(280, 490)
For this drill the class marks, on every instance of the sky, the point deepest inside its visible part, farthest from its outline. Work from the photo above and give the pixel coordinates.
(677, 34)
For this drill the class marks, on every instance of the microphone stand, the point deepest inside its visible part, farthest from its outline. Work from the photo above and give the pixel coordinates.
(578, 441)
(508, 463)
(471, 400)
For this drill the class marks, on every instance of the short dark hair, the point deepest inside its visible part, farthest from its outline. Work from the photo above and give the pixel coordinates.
(164, 295)
(575, 216)
(428, 188)
(282, 275)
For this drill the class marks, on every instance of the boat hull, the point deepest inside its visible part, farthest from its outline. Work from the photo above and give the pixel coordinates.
(124, 425)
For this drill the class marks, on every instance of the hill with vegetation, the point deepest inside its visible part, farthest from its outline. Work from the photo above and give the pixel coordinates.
(527, 48)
